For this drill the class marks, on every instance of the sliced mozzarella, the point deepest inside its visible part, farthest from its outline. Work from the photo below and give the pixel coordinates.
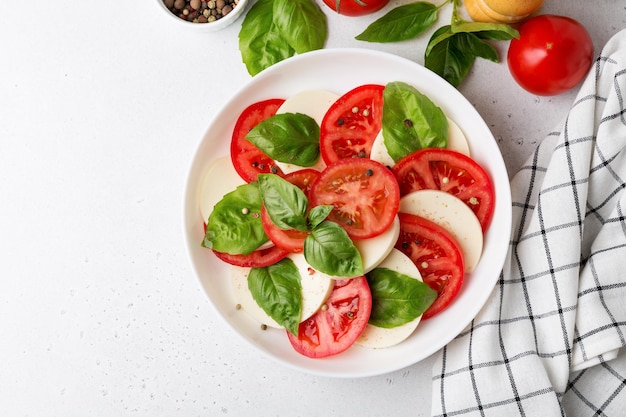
(456, 138)
(374, 250)
(220, 179)
(316, 287)
(379, 337)
(456, 141)
(379, 151)
(452, 214)
(313, 103)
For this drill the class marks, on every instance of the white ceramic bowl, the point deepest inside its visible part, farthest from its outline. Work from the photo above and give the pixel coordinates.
(219, 24)
(339, 70)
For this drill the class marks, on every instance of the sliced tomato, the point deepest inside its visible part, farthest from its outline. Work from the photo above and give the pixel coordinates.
(436, 254)
(351, 124)
(335, 326)
(290, 240)
(248, 160)
(257, 259)
(452, 172)
(364, 193)
(303, 179)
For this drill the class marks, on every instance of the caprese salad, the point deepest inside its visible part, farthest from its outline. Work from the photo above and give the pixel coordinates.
(346, 218)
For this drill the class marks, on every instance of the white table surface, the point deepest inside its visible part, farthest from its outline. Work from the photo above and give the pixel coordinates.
(102, 106)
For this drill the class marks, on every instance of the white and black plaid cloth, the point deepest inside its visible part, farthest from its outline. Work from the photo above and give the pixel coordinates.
(547, 343)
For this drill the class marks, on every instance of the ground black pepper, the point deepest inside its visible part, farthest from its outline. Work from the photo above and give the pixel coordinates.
(200, 11)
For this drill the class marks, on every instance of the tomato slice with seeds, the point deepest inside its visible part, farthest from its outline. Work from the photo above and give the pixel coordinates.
(352, 123)
(452, 172)
(290, 240)
(257, 259)
(364, 193)
(248, 160)
(436, 254)
(336, 326)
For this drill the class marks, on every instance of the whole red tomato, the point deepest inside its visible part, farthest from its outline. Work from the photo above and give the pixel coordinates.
(551, 56)
(356, 7)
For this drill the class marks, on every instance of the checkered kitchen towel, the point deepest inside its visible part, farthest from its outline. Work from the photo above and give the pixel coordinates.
(548, 341)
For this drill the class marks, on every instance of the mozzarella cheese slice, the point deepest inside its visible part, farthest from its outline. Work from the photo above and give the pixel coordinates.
(456, 141)
(374, 250)
(379, 337)
(220, 179)
(313, 103)
(452, 214)
(316, 287)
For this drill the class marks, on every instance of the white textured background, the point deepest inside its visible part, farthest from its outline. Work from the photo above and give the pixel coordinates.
(102, 105)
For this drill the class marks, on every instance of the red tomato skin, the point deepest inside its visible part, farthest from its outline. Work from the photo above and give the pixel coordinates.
(248, 160)
(355, 8)
(334, 329)
(466, 179)
(365, 195)
(552, 55)
(437, 256)
(346, 134)
(257, 259)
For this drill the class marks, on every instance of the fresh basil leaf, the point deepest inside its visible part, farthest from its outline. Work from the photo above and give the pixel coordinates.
(234, 225)
(453, 57)
(440, 35)
(260, 41)
(292, 138)
(397, 298)
(402, 23)
(277, 289)
(489, 31)
(318, 214)
(302, 23)
(285, 203)
(329, 250)
(411, 121)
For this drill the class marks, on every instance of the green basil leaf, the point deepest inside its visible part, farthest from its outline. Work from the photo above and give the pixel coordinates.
(277, 289)
(286, 204)
(402, 23)
(397, 299)
(490, 31)
(317, 215)
(292, 138)
(260, 41)
(234, 225)
(453, 56)
(302, 23)
(329, 250)
(477, 46)
(411, 121)
(440, 35)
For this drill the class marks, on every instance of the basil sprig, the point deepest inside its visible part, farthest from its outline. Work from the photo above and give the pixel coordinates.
(288, 137)
(452, 49)
(234, 225)
(277, 289)
(411, 121)
(274, 30)
(397, 299)
(327, 247)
